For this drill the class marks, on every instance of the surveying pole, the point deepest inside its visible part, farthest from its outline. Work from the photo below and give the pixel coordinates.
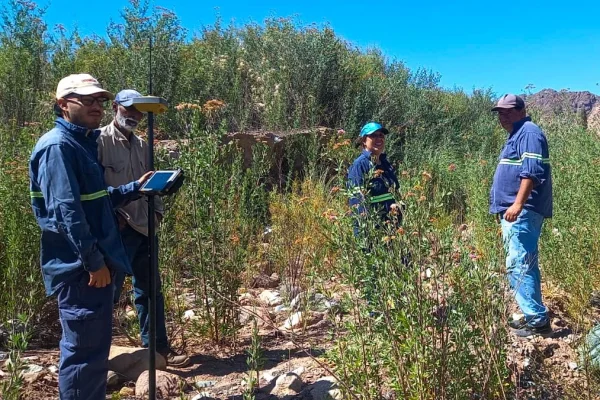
(151, 105)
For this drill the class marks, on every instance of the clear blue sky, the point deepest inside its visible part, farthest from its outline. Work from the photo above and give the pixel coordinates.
(472, 44)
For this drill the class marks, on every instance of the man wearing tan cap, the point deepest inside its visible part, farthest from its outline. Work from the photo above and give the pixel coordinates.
(521, 196)
(80, 242)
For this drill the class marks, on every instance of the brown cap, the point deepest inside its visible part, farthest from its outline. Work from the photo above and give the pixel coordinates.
(509, 101)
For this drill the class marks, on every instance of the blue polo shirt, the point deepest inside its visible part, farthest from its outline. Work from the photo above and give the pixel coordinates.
(74, 207)
(525, 155)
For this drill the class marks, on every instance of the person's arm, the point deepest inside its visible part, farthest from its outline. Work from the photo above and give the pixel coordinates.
(122, 195)
(356, 180)
(62, 198)
(511, 214)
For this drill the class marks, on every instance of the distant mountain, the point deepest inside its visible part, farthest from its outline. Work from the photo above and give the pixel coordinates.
(550, 100)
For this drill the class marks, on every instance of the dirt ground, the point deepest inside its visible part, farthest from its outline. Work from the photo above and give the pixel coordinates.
(542, 368)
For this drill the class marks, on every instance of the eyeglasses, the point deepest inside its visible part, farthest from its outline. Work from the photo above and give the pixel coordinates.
(90, 100)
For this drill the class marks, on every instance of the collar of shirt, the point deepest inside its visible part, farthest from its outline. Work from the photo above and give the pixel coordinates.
(367, 154)
(119, 135)
(517, 125)
(78, 130)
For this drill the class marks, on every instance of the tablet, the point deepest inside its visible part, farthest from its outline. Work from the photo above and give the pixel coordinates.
(160, 181)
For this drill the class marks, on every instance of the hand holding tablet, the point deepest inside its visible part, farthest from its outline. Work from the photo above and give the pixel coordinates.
(163, 183)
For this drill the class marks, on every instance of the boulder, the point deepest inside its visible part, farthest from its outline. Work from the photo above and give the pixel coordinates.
(130, 362)
(167, 385)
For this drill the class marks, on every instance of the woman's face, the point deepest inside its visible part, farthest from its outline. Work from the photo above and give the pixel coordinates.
(375, 143)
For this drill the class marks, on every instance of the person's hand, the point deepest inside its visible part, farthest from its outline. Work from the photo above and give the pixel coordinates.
(100, 278)
(145, 177)
(512, 213)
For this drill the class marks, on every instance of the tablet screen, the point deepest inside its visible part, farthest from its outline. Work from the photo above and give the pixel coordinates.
(159, 180)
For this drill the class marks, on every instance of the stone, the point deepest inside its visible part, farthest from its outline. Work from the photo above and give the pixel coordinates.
(287, 384)
(296, 301)
(293, 321)
(270, 375)
(326, 389)
(271, 298)
(204, 384)
(32, 373)
(281, 308)
(127, 391)
(203, 396)
(53, 369)
(572, 366)
(263, 280)
(167, 385)
(130, 362)
(189, 315)
(112, 379)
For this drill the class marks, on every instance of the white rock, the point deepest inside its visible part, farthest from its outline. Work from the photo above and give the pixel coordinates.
(189, 315)
(293, 321)
(281, 308)
(572, 365)
(297, 300)
(32, 373)
(53, 369)
(271, 298)
(428, 273)
(299, 371)
(270, 375)
(245, 297)
(202, 396)
(517, 316)
(287, 384)
(326, 389)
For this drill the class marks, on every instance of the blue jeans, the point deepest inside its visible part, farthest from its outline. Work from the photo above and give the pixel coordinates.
(521, 243)
(86, 318)
(136, 246)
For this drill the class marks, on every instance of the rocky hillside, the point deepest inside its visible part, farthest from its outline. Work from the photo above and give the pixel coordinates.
(550, 100)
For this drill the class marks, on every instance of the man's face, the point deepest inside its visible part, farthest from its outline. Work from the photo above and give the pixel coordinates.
(127, 118)
(84, 110)
(508, 116)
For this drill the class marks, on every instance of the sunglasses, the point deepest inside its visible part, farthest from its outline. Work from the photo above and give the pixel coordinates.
(90, 100)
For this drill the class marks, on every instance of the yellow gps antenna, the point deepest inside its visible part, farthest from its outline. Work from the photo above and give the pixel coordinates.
(151, 105)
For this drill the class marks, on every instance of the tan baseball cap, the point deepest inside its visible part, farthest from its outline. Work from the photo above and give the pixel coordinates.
(83, 84)
(509, 101)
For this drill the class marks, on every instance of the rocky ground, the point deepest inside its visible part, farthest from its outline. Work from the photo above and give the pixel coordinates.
(293, 339)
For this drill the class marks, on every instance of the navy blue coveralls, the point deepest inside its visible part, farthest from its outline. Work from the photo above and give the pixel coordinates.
(74, 210)
(377, 181)
(379, 186)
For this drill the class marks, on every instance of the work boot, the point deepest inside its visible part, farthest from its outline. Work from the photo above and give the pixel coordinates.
(527, 330)
(174, 359)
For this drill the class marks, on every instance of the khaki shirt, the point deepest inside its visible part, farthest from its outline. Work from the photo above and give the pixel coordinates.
(126, 161)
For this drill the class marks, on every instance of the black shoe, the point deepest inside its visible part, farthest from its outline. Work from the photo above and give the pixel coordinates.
(527, 330)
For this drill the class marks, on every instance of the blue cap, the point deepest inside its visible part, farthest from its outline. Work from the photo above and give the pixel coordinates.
(370, 128)
(125, 97)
